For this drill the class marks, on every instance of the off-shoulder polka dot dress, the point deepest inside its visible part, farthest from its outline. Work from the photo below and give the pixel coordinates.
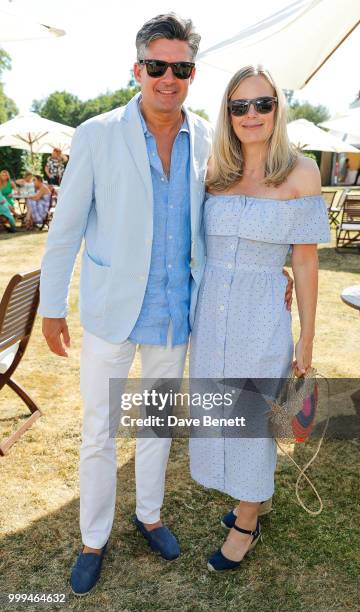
(242, 328)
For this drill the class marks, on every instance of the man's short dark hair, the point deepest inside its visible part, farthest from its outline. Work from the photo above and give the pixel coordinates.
(39, 177)
(169, 26)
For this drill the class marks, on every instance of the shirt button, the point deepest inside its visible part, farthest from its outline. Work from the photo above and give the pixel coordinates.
(169, 266)
(171, 206)
(229, 266)
(142, 278)
(232, 247)
(170, 237)
(169, 290)
(162, 178)
(226, 285)
(222, 307)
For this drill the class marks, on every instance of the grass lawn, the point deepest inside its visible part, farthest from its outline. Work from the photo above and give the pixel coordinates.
(303, 562)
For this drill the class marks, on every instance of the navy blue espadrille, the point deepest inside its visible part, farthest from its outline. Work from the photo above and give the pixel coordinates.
(219, 563)
(86, 572)
(228, 520)
(160, 540)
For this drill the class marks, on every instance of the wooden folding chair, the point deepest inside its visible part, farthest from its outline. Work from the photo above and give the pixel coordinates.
(334, 199)
(348, 230)
(17, 315)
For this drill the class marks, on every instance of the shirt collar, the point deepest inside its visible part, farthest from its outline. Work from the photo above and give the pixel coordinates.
(184, 127)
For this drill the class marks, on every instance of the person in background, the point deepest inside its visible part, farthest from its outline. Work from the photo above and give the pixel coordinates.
(26, 184)
(38, 204)
(345, 170)
(6, 187)
(55, 167)
(6, 214)
(357, 175)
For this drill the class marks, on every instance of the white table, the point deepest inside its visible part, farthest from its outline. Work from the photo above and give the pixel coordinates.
(351, 296)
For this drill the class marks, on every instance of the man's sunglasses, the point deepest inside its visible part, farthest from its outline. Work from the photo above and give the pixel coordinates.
(262, 105)
(157, 68)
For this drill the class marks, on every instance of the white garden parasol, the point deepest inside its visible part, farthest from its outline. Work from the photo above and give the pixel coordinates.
(308, 137)
(35, 134)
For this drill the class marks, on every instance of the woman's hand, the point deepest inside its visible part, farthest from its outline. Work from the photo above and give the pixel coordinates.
(303, 356)
(289, 289)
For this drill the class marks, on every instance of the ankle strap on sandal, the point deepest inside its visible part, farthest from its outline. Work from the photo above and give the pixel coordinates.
(247, 531)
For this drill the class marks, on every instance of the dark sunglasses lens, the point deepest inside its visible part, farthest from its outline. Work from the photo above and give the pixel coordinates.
(182, 70)
(239, 108)
(264, 105)
(156, 69)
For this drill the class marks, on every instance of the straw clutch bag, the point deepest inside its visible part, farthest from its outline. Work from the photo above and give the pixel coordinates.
(292, 417)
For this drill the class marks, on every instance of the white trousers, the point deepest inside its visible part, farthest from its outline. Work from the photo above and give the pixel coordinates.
(101, 360)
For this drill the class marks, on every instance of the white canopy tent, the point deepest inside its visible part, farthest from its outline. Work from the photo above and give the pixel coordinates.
(17, 27)
(307, 136)
(293, 43)
(35, 134)
(346, 126)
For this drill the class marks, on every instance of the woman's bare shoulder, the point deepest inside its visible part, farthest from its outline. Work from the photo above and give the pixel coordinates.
(305, 177)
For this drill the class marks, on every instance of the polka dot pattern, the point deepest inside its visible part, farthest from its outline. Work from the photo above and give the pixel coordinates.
(242, 328)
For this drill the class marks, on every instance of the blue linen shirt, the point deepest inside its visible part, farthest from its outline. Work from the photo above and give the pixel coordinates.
(167, 294)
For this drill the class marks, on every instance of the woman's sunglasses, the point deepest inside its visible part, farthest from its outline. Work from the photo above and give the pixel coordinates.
(157, 68)
(262, 105)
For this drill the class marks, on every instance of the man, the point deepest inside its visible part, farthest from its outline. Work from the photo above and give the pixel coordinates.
(134, 189)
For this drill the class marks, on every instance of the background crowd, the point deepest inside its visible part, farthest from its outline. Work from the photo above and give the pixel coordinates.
(25, 201)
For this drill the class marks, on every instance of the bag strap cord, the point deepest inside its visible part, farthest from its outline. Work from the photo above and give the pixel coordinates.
(302, 474)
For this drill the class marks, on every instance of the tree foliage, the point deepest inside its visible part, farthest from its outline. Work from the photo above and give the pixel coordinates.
(11, 159)
(66, 108)
(200, 112)
(305, 110)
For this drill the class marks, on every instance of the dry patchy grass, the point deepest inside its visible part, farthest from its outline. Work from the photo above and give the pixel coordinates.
(303, 563)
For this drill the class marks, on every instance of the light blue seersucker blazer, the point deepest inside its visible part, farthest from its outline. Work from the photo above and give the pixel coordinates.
(106, 198)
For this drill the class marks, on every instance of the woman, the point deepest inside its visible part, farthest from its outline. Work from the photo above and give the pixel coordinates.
(26, 184)
(38, 204)
(7, 186)
(263, 197)
(55, 167)
(6, 214)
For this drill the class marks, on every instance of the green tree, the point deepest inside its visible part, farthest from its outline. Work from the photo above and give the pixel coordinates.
(59, 106)
(305, 110)
(200, 112)
(11, 159)
(66, 108)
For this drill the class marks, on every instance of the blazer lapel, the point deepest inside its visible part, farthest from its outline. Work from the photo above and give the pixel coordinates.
(194, 176)
(135, 141)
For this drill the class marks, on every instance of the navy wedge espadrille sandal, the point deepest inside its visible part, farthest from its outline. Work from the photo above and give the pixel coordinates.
(219, 563)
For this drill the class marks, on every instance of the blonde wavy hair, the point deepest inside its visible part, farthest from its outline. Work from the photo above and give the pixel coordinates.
(227, 161)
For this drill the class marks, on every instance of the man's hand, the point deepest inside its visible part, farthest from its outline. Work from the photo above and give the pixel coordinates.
(57, 335)
(289, 289)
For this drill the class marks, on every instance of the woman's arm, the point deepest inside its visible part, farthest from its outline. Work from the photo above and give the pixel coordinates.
(39, 194)
(305, 268)
(305, 265)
